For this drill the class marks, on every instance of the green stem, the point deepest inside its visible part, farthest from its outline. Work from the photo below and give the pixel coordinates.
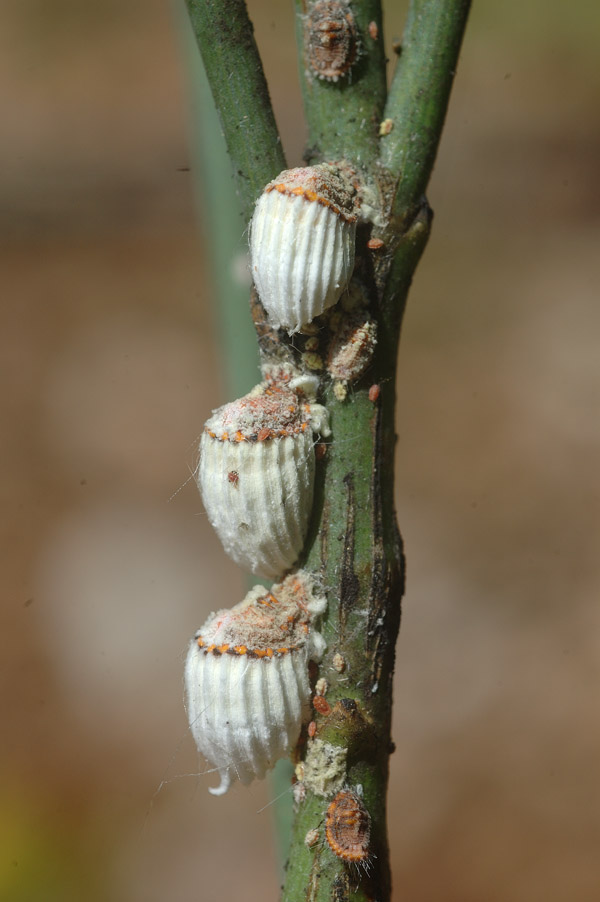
(225, 37)
(353, 540)
(343, 117)
(225, 240)
(355, 545)
(418, 97)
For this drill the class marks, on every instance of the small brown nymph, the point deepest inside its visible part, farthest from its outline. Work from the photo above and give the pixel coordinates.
(331, 39)
(348, 827)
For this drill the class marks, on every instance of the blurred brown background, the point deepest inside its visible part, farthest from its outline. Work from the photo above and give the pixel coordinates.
(110, 368)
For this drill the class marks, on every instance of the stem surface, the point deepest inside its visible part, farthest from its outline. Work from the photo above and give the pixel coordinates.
(234, 69)
(353, 541)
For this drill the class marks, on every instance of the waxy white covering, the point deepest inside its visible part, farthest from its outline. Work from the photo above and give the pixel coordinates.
(260, 514)
(302, 238)
(246, 678)
(257, 483)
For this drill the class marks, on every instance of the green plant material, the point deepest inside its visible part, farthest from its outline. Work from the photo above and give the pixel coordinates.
(343, 117)
(226, 40)
(353, 539)
(357, 546)
(418, 97)
(224, 237)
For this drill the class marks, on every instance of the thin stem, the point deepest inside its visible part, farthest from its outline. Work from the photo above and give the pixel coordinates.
(225, 37)
(418, 97)
(225, 240)
(354, 543)
(343, 117)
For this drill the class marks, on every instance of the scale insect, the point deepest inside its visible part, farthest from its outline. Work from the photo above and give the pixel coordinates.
(302, 240)
(352, 346)
(246, 678)
(331, 39)
(348, 828)
(256, 471)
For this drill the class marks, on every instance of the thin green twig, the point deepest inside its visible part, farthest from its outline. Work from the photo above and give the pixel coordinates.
(418, 97)
(234, 69)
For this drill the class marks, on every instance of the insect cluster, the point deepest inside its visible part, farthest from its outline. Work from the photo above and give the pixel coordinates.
(247, 670)
(246, 676)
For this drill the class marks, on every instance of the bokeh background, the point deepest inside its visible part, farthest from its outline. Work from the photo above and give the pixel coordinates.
(111, 363)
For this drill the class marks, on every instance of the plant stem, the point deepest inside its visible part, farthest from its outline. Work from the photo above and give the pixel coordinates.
(418, 97)
(353, 539)
(343, 117)
(225, 37)
(357, 547)
(224, 237)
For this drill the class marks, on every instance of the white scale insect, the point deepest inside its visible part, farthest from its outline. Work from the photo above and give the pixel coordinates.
(302, 238)
(246, 678)
(256, 471)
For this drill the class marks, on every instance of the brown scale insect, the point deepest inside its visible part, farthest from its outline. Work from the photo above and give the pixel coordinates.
(321, 705)
(348, 828)
(331, 39)
(351, 348)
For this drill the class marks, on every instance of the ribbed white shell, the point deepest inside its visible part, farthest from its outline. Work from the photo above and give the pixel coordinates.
(261, 513)
(256, 471)
(245, 713)
(245, 710)
(302, 254)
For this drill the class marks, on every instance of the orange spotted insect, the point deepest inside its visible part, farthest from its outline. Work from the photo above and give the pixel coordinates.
(348, 828)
